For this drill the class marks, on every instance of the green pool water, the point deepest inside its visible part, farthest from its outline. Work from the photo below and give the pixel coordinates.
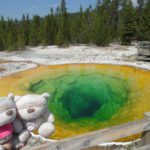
(83, 97)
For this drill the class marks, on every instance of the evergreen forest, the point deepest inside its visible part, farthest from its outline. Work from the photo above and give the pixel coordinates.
(109, 21)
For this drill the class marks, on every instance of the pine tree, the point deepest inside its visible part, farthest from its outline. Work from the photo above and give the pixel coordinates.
(49, 29)
(63, 8)
(74, 30)
(26, 25)
(21, 40)
(60, 35)
(81, 23)
(128, 23)
(143, 16)
(12, 35)
(2, 47)
(144, 23)
(4, 32)
(101, 35)
(114, 19)
(141, 4)
(46, 30)
(63, 35)
(34, 34)
(98, 4)
(86, 27)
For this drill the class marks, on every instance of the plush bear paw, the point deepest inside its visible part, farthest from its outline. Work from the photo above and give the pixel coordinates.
(19, 145)
(46, 129)
(30, 126)
(24, 136)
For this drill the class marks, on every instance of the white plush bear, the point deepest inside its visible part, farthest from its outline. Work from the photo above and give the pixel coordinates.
(33, 111)
(11, 129)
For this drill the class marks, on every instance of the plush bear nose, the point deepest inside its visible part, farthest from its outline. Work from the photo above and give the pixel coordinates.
(9, 112)
(30, 110)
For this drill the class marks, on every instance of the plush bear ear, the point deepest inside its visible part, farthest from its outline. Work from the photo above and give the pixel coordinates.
(14, 98)
(17, 98)
(11, 96)
(46, 95)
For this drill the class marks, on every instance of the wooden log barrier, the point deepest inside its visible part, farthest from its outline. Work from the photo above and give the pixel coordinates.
(146, 134)
(101, 136)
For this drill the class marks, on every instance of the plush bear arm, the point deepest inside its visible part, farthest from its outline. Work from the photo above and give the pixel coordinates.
(30, 126)
(48, 116)
(33, 124)
(17, 144)
(24, 136)
(18, 127)
(46, 129)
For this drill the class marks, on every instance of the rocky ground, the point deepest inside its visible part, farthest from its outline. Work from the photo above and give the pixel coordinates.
(11, 62)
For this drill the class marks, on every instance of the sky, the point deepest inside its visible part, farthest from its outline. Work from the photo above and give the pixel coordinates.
(16, 8)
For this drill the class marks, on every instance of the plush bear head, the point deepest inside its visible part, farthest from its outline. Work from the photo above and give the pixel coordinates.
(31, 106)
(7, 110)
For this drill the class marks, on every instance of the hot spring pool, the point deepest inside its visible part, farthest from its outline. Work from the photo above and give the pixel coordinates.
(86, 97)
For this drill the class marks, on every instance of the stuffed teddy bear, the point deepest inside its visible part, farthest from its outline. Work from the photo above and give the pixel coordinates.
(33, 111)
(11, 129)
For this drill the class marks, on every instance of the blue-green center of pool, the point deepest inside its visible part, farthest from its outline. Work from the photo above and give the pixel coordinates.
(76, 97)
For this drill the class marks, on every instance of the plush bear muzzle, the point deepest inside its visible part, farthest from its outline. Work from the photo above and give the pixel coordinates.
(30, 110)
(9, 112)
